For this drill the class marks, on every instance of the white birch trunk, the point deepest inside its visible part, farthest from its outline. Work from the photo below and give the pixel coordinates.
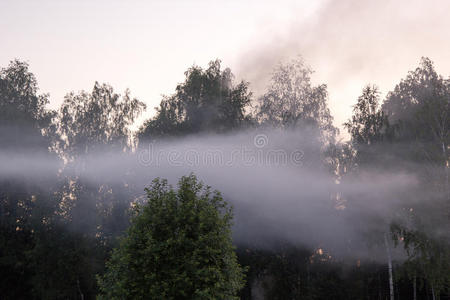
(391, 279)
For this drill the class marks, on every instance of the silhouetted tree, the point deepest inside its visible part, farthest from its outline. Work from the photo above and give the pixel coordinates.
(368, 127)
(368, 122)
(208, 100)
(26, 209)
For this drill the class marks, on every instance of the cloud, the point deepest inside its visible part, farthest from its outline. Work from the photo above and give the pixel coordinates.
(350, 43)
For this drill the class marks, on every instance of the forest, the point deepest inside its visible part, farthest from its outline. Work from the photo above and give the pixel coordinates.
(222, 194)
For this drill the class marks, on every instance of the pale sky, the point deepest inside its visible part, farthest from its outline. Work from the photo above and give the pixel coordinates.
(147, 45)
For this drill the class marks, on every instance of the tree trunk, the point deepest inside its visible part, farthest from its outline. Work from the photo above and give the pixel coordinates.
(444, 153)
(432, 293)
(79, 290)
(391, 279)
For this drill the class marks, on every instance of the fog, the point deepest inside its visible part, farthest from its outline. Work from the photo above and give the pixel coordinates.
(277, 182)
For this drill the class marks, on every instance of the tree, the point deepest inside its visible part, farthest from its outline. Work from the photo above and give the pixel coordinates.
(97, 120)
(208, 100)
(428, 255)
(368, 126)
(90, 123)
(410, 133)
(26, 208)
(292, 101)
(368, 121)
(419, 107)
(95, 212)
(178, 247)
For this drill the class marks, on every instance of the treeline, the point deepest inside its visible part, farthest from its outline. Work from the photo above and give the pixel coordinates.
(58, 228)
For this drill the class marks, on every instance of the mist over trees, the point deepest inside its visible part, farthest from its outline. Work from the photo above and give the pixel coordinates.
(76, 223)
(292, 101)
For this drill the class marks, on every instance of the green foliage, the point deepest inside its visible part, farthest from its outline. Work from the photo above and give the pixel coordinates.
(178, 247)
(428, 254)
(292, 272)
(368, 128)
(368, 122)
(25, 129)
(419, 107)
(91, 121)
(292, 100)
(20, 103)
(208, 100)
(411, 132)
(87, 124)
(39, 256)
(63, 263)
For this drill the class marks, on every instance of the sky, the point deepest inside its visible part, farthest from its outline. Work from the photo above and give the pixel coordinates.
(146, 46)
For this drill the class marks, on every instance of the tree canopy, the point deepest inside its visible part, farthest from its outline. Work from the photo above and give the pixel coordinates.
(292, 101)
(208, 100)
(411, 129)
(101, 118)
(177, 247)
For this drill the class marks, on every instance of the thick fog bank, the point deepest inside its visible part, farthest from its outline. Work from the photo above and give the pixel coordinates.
(277, 182)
